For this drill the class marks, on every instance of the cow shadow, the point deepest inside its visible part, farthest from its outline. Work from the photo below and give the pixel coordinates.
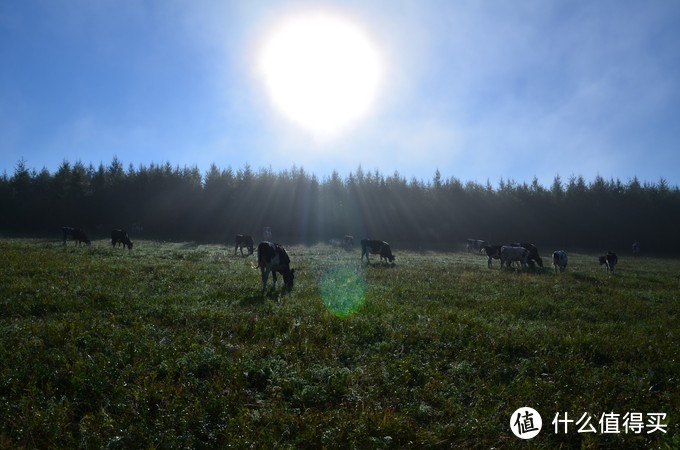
(252, 300)
(584, 277)
(383, 265)
(261, 298)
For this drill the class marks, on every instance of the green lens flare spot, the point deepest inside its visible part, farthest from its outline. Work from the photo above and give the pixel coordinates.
(343, 291)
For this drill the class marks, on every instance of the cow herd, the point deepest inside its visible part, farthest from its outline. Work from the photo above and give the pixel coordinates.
(526, 254)
(77, 235)
(272, 258)
(522, 253)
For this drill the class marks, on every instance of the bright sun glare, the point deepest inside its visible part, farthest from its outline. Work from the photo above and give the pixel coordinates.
(321, 71)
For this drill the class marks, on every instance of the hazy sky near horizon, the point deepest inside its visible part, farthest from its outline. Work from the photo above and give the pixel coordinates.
(480, 90)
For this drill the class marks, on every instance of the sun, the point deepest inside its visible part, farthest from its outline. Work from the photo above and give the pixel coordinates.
(321, 71)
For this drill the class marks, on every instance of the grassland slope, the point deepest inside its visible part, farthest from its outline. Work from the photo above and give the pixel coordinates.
(173, 345)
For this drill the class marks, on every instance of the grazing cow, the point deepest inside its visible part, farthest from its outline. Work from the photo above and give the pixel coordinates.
(534, 257)
(511, 254)
(476, 245)
(76, 234)
(609, 261)
(559, 260)
(121, 237)
(348, 242)
(244, 240)
(376, 247)
(493, 252)
(273, 258)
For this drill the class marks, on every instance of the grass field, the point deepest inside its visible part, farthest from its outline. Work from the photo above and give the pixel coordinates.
(173, 345)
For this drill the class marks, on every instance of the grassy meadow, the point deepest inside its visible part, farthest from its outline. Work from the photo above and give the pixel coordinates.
(173, 345)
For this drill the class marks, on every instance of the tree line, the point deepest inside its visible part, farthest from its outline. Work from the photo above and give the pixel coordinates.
(167, 202)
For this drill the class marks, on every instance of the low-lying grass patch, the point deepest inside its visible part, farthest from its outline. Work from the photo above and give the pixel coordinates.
(173, 345)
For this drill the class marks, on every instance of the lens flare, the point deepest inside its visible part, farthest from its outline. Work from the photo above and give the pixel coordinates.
(343, 291)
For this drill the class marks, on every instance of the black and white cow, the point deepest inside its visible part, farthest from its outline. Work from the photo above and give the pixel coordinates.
(533, 257)
(244, 240)
(75, 234)
(609, 261)
(475, 244)
(560, 260)
(376, 247)
(120, 237)
(272, 258)
(493, 252)
(510, 254)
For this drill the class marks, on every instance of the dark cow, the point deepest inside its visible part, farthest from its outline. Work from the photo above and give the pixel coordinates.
(560, 260)
(120, 237)
(493, 252)
(348, 242)
(75, 234)
(244, 240)
(273, 258)
(636, 248)
(534, 257)
(609, 261)
(376, 247)
(511, 254)
(475, 244)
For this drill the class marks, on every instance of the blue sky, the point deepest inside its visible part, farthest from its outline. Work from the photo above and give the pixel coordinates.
(480, 90)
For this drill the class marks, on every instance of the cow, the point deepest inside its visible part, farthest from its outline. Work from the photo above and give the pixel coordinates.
(76, 234)
(510, 254)
(533, 257)
(244, 240)
(636, 248)
(560, 259)
(476, 245)
(493, 252)
(348, 242)
(376, 247)
(609, 261)
(120, 237)
(273, 258)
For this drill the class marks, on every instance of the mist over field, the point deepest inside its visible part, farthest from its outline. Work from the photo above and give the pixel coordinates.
(180, 203)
